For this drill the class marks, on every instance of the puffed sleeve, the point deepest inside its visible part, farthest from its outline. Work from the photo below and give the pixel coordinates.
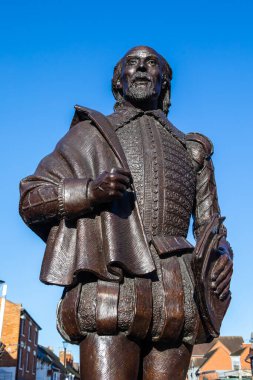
(200, 149)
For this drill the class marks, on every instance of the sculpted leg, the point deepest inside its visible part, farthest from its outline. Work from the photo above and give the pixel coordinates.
(162, 363)
(109, 358)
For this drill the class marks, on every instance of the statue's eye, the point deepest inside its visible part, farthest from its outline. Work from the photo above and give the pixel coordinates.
(132, 62)
(152, 62)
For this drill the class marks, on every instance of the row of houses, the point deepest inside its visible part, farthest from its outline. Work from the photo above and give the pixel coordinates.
(22, 358)
(226, 357)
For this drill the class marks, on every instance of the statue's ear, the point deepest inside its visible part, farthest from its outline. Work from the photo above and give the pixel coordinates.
(119, 84)
(164, 84)
(117, 93)
(118, 90)
(164, 98)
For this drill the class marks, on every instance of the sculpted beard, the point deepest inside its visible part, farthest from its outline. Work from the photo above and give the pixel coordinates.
(140, 88)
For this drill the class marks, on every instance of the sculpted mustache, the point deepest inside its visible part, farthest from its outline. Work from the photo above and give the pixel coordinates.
(140, 76)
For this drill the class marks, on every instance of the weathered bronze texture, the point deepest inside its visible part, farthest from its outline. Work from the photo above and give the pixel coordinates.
(113, 203)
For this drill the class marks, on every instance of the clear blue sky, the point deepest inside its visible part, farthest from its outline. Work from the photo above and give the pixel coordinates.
(54, 54)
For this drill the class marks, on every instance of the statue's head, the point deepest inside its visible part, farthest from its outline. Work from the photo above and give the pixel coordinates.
(142, 77)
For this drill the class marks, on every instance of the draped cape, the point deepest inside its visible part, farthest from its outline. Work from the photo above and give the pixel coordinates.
(107, 242)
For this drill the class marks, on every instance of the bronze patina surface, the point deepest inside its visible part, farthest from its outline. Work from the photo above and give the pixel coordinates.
(113, 203)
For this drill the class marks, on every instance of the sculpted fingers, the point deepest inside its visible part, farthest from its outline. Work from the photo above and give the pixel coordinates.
(109, 186)
(119, 178)
(223, 285)
(221, 276)
(116, 190)
(219, 266)
(224, 293)
(122, 174)
(117, 186)
(227, 270)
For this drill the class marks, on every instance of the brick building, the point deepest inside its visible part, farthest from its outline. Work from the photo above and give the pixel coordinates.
(69, 358)
(72, 369)
(223, 358)
(20, 337)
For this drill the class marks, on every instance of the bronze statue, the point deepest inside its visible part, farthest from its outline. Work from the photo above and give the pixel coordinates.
(113, 203)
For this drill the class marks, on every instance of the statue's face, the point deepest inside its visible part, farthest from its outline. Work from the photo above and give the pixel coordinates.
(141, 77)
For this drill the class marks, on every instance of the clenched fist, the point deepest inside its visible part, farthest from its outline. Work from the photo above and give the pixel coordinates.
(109, 186)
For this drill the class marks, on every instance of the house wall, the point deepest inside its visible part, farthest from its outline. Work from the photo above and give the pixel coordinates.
(10, 334)
(244, 364)
(45, 372)
(28, 349)
(42, 372)
(20, 337)
(220, 360)
(7, 373)
(209, 376)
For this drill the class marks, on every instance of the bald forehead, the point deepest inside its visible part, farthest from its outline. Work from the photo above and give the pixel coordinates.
(142, 52)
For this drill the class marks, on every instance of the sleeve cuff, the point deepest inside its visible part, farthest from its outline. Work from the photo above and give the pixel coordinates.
(72, 197)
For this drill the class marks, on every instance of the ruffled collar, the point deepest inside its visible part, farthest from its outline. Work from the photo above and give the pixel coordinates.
(125, 114)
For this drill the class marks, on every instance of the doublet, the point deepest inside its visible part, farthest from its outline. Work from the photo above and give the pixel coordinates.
(163, 176)
(173, 180)
(165, 179)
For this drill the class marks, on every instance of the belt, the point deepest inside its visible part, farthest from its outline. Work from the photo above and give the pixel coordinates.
(168, 245)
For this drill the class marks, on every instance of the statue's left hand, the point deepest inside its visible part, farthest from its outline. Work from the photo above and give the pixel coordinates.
(222, 273)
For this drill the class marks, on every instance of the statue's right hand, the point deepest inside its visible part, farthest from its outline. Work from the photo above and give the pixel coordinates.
(109, 186)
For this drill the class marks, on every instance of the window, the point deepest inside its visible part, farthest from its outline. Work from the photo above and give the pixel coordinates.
(20, 355)
(22, 326)
(27, 361)
(34, 363)
(236, 364)
(29, 331)
(36, 337)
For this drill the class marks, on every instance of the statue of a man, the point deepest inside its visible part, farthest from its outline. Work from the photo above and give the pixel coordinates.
(113, 203)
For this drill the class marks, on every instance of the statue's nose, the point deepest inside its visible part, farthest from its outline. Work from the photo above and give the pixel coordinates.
(141, 66)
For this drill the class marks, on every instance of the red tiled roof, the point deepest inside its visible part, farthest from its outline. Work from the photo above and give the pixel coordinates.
(232, 343)
(238, 352)
(202, 349)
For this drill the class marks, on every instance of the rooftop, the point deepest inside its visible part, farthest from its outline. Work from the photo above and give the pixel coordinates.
(232, 343)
